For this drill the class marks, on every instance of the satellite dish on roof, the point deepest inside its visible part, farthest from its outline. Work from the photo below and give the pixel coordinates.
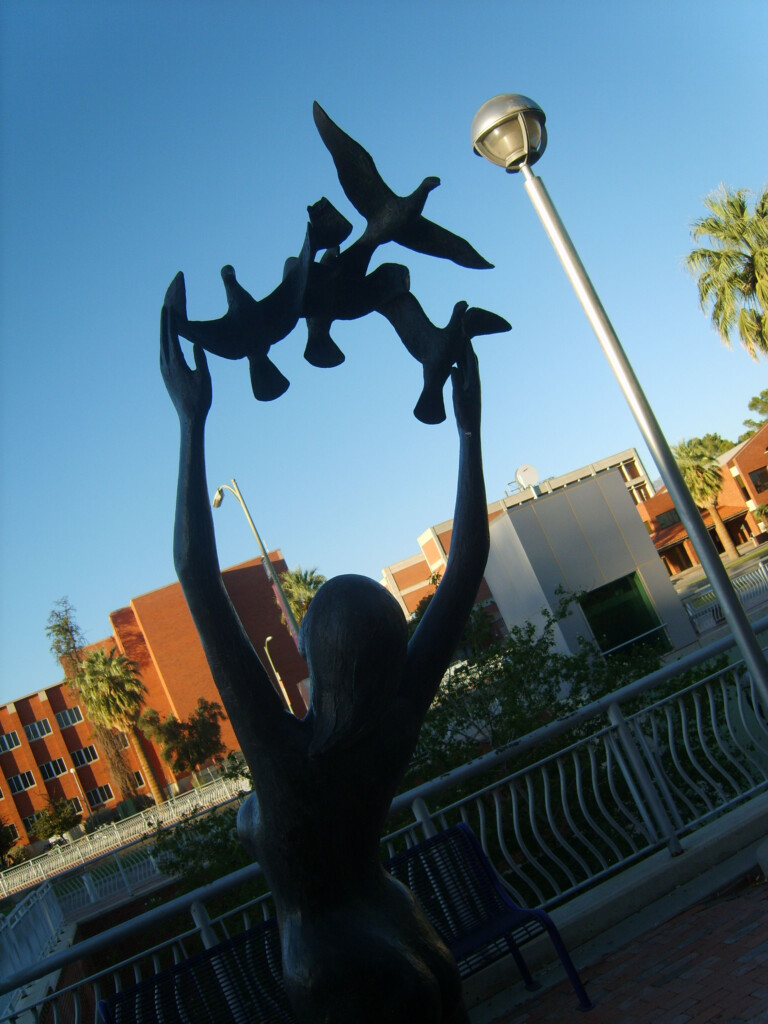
(527, 476)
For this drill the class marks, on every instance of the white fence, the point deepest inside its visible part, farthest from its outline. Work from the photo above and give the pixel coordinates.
(751, 586)
(28, 934)
(116, 835)
(557, 811)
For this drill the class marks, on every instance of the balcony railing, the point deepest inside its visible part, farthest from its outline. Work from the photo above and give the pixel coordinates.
(557, 811)
(751, 586)
(115, 836)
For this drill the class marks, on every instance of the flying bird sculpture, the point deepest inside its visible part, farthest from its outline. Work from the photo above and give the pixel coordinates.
(338, 287)
(250, 327)
(389, 217)
(438, 348)
(325, 283)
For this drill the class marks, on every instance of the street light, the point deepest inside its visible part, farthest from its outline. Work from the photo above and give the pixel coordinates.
(269, 569)
(75, 776)
(509, 131)
(276, 674)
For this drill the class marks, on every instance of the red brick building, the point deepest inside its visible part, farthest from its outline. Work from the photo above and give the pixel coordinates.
(47, 746)
(744, 471)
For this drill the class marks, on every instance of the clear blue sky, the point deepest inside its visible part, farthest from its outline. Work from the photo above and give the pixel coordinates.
(139, 139)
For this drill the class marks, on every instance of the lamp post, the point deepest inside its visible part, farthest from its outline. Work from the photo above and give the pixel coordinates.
(75, 776)
(276, 674)
(269, 569)
(509, 130)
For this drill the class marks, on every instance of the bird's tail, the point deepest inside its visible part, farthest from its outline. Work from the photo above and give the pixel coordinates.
(321, 350)
(267, 382)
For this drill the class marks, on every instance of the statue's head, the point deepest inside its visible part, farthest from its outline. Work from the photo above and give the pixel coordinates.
(354, 639)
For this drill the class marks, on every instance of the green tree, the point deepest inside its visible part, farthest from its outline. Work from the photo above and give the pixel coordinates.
(57, 817)
(757, 404)
(300, 586)
(714, 444)
(188, 744)
(7, 840)
(66, 638)
(702, 476)
(113, 693)
(67, 643)
(733, 273)
(511, 687)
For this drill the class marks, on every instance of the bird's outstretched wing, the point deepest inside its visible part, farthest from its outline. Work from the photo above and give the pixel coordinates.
(425, 236)
(482, 321)
(363, 186)
(281, 309)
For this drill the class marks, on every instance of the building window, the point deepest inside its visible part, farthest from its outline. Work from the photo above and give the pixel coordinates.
(100, 795)
(8, 741)
(621, 613)
(12, 831)
(640, 494)
(668, 518)
(122, 740)
(18, 783)
(51, 769)
(139, 779)
(36, 730)
(29, 823)
(84, 756)
(75, 804)
(69, 716)
(759, 478)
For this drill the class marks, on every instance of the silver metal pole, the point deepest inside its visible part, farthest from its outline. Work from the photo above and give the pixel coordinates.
(652, 434)
(270, 569)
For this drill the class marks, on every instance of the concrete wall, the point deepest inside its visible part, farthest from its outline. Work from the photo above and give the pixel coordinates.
(578, 538)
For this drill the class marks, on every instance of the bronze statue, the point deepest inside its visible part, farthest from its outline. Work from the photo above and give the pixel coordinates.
(356, 947)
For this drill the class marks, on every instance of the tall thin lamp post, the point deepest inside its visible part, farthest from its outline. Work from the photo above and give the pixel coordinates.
(269, 569)
(276, 674)
(509, 130)
(86, 806)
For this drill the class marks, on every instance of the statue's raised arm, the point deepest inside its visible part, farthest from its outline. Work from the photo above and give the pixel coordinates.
(436, 636)
(251, 701)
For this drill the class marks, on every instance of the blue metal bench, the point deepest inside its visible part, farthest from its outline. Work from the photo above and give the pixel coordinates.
(465, 901)
(238, 980)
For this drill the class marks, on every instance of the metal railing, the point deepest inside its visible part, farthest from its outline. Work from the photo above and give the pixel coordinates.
(751, 586)
(557, 811)
(116, 835)
(28, 934)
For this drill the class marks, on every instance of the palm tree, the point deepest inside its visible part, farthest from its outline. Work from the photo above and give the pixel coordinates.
(701, 472)
(113, 694)
(733, 274)
(300, 586)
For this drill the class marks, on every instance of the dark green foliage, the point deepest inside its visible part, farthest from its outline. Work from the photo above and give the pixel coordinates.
(205, 847)
(714, 444)
(7, 840)
(300, 586)
(187, 745)
(57, 817)
(200, 849)
(758, 404)
(511, 687)
(66, 638)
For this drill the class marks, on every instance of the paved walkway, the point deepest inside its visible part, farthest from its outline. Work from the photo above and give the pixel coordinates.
(708, 965)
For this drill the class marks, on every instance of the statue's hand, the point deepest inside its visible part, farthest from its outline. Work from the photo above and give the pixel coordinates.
(190, 390)
(466, 393)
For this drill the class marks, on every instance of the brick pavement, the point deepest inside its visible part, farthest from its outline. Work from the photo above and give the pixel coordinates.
(708, 965)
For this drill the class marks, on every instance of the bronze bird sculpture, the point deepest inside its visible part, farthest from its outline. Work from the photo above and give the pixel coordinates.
(338, 287)
(390, 218)
(438, 348)
(249, 328)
